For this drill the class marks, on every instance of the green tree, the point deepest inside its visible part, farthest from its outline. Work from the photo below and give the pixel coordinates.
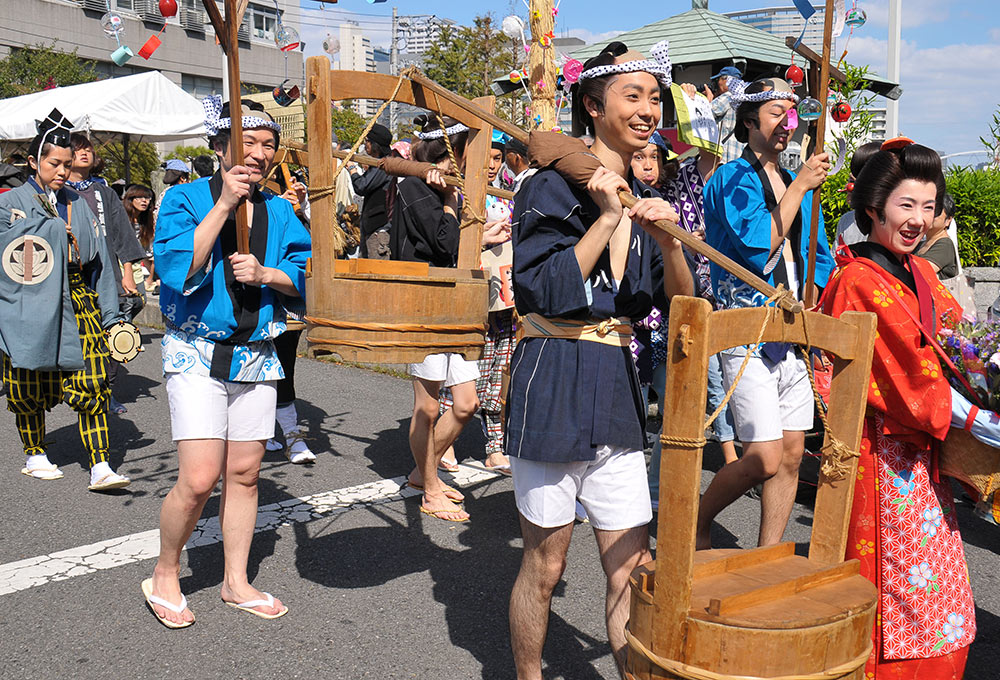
(467, 59)
(186, 153)
(855, 133)
(347, 125)
(992, 141)
(32, 69)
(143, 157)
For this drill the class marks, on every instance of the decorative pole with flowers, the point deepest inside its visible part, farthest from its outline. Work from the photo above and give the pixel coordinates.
(542, 65)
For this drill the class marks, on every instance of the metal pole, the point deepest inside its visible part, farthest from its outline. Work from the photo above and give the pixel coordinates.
(895, 39)
(394, 65)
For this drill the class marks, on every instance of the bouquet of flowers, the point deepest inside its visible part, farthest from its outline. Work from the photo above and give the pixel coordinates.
(974, 348)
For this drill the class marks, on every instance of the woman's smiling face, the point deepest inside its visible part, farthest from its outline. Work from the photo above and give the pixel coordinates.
(908, 214)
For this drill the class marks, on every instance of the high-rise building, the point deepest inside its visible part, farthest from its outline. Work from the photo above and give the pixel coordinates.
(785, 21)
(356, 54)
(420, 30)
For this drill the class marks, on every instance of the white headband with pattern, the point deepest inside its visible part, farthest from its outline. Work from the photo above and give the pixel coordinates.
(439, 133)
(213, 123)
(659, 66)
(737, 93)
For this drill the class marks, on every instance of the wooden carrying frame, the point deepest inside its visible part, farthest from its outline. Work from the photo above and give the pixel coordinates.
(388, 311)
(763, 612)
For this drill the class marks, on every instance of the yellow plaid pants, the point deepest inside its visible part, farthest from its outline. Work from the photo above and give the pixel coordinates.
(31, 393)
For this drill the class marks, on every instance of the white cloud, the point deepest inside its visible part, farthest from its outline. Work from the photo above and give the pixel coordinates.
(592, 38)
(995, 34)
(914, 12)
(943, 103)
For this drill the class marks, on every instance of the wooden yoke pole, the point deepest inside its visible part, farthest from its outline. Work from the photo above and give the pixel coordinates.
(477, 154)
(231, 47)
(542, 66)
(822, 91)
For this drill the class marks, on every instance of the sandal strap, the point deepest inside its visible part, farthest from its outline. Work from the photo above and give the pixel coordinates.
(269, 602)
(175, 608)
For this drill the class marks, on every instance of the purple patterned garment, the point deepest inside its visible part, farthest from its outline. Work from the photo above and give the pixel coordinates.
(685, 192)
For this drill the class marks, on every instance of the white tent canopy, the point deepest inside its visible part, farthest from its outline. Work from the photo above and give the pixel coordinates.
(146, 105)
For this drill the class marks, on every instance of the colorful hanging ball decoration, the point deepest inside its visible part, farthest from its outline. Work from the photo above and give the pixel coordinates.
(113, 25)
(810, 109)
(286, 38)
(841, 112)
(794, 76)
(571, 71)
(515, 77)
(856, 18)
(168, 8)
(512, 26)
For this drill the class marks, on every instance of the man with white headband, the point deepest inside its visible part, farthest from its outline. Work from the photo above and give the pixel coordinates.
(760, 215)
(583, 267)
(223, 310)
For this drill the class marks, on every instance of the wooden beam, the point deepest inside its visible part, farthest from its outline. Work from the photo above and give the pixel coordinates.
(810, 293)
(477, 156)
(236, 128)
(218, 23)
(804, 50)
(463, 103)
(323, 208)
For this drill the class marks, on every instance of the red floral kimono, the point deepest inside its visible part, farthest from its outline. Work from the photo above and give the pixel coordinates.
(903, 527)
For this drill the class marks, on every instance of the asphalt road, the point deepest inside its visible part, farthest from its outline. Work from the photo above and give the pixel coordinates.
(376, 589)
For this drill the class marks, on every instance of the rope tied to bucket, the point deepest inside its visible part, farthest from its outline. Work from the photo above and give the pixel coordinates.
(687, 672)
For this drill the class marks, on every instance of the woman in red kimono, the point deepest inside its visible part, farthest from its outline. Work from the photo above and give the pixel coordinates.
(903, 527)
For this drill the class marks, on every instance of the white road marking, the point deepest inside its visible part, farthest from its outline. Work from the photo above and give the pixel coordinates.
(116, 552)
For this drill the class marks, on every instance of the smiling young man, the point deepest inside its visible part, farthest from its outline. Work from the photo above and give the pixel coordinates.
(223, 311)
(760, 214)
(575, 423)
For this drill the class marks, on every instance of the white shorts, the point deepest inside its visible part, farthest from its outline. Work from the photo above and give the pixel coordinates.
(612, 488)
(451, 369)
(208, 408)
(769, 399)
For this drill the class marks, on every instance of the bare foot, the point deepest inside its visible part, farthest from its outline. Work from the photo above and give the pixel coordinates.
(247, 593)
(703, 540)
(416, 481)
(167, 586)
(442, 508)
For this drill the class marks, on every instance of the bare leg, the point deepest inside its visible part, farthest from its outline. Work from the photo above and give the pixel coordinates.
(621, 552)
(542, 565)
(238, 517)
(465, 403)
(199, 465)
(778, 494)
(729, 452)
(759, 463)
(425, 454)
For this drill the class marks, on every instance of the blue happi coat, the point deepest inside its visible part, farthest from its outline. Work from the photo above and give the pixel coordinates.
(38, 330)
(227, 326)
(569, 397)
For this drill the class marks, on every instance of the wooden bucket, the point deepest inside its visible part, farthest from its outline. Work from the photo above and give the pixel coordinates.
(971, 461)
(763, 613)
(378, 311)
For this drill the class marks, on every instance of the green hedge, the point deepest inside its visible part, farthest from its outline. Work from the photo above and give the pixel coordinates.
(977, 211)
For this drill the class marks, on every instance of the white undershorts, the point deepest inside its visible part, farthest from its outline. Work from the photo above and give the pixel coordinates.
(451, 369)
(612, 488)
(769, 399)
(202, 407)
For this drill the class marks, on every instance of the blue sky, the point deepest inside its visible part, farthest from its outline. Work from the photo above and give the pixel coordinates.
(950, 53)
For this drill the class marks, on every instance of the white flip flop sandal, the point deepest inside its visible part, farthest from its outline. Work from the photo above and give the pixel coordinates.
(147, 591)
(110, 481)
(249, 607)
(46, 473)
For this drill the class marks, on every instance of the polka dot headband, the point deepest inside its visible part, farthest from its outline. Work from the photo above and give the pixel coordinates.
(439, 133)
(659, 66)
(214, 124)
(737, 92)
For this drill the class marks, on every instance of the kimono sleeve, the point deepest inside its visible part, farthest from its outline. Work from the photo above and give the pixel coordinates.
(547, 276)
(173, 245)
(100, 268)
(735, 209)
(121, 235)
(907, 383)
(295, 246)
